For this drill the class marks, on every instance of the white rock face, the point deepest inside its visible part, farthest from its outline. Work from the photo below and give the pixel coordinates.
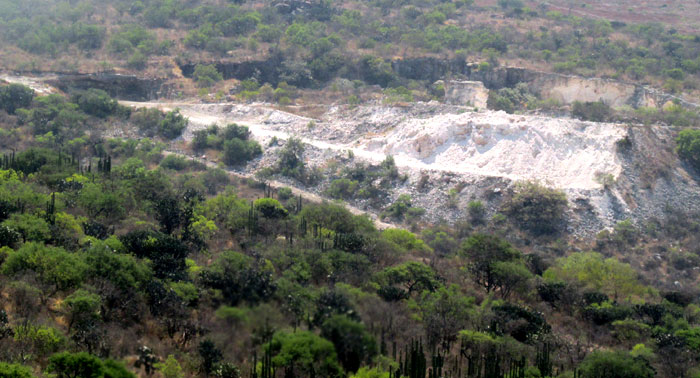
(565, 153)
(567, 89)
(472, 93)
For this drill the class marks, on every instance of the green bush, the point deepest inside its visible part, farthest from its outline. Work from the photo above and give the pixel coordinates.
(95, 102)
(606, 313)
(511, 99)
(240, 278)
(268, 33)
(306, 353)
(597, 273)
(374, 70)
(130, 37)
(234, 131)
(342, 188)
(176, 163)
(85, 365)
(498, 102)
(137, 61)
(206, 75)
(477, 211)
(615, 364)
(270, 208)
(237, 151)
(399, 208)
(291, 159)
(537, 209)
(15, 96)
(54, 266)
(352, 342)
(147, 119)
(592, 111)
(689, 146)
(172, 125)
(200, 140)
(15, 371)
(284, 193)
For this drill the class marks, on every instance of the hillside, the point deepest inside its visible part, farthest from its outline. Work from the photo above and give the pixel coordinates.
(368, 189)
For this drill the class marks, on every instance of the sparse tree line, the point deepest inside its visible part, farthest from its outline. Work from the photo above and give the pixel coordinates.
(320, 41)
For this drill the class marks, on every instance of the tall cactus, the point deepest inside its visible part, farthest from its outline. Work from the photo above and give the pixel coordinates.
(543, 360)
(51, 210)
(413, 364)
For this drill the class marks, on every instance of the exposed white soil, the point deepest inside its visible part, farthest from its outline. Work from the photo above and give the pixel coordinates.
(37, 84)
(564, 153)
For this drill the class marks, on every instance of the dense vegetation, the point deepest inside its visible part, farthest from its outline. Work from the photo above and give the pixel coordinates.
(312, 44)
(116, 260)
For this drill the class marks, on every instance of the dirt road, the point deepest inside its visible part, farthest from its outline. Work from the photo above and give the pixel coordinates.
(308, 195)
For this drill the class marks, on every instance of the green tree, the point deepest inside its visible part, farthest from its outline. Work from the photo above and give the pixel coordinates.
(476, 211)
(138, 60)
(616, 364)
(170, 368)
(444, 313)
(233, 130)
(15, 371)
(270, 208)
(81, 306)
(630, 331)
(215, 179)
(39, 340)
(106, 260)
(506, 4)
(114, 369)
(689, 146)
(31, 227)
(240, 278)
(167, 254)
(510, 275)
(55, 266)
(366, 372)
(227, 370)
(303, 353)
(353, 344)
(147, 120)
(75, 365)
(15, 96)
(405, 240)
(200, 140)
(537, 209)
(227, 210)
(591, 111)
(336, 218)
(206, 75)
(375, 70)
(210, 356)
(168, 213)
(342, 188)
(291, 159)
(237, 151)
(400, 281)
(484, 253)
(95, 102)
(102, 204)
(399, 208)
(173, 124)
(591, 269)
